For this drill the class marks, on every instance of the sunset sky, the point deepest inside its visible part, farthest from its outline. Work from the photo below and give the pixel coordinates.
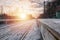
(15, 7)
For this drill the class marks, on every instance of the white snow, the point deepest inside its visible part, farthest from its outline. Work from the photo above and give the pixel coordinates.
(16, 30)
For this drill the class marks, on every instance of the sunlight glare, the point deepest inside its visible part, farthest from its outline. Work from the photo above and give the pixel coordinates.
(23, 16)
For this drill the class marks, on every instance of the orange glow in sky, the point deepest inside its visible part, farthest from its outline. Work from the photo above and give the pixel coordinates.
(18, 7)
(23, 16)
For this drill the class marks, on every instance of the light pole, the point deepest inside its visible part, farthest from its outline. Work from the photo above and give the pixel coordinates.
(1, 9)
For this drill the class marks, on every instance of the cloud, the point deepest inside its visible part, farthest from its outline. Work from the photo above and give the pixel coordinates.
(12, 5)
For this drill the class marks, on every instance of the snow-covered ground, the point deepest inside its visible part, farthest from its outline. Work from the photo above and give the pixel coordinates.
(52, 23)
(17, 31)
(34, 33)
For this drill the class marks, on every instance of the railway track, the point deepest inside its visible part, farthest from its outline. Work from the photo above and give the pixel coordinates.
(15, 32)
(24, 35)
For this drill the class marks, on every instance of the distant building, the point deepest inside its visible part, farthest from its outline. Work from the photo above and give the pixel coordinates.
(50, 9)
(58, 9)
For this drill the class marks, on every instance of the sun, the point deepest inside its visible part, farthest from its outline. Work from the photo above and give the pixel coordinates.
(23, 16)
